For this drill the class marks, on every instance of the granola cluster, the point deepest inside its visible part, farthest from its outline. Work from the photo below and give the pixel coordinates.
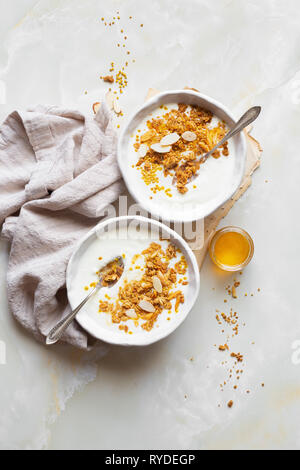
(181, 159)
(111, 273)
(144, 300)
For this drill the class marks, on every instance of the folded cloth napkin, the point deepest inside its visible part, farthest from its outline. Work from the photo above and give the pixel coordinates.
(58, 172)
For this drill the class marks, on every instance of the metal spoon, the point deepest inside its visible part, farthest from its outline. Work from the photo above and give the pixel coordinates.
(57, 332)
(243, 122)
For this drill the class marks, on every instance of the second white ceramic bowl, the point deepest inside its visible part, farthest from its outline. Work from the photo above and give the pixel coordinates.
(89, 317)
(179, 211)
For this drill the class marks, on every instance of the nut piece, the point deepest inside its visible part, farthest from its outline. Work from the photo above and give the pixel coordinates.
(170, 139)
(160, 149)
(148, 135)
(131, 313)
(233, 291)
(157, 284)
(230, 404)
(117, 108)
(147, 306)
(96, 107)
(108, 79)
(189, 136)
(110, 99)
(143, 150)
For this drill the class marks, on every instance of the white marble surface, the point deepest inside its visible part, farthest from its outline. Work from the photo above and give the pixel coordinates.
(241, 52)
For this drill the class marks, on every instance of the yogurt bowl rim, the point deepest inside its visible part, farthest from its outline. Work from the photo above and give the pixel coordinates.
(191, 262)
(156, 99)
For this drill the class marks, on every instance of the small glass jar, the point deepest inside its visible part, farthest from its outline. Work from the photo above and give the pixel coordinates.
(231, 248)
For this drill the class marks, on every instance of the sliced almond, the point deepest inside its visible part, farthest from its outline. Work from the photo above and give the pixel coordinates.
(110, 99)
(143, 150)
(160, 148)
(96, 107)
(189, 136)
(162, 278)
(157, 284)
(146, 306)
(170, 139)
(148, 135)
(117, 108)
(131, 313)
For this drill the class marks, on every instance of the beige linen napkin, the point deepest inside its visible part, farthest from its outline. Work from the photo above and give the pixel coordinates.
(58, 171)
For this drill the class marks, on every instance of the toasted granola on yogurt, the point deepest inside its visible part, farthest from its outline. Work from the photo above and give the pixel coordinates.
(173, 144)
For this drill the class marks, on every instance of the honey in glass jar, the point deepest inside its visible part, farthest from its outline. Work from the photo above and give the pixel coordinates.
(231, 248)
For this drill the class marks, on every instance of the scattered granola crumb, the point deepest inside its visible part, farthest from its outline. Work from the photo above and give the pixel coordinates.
(238, 356)
(108, 79)
(230, 404)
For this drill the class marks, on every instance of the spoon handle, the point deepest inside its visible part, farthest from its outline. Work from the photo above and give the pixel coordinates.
(57, 332)
(243, 122)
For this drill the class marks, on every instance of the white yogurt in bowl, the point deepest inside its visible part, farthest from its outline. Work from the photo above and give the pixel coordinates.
(216, 180)
(128, 237)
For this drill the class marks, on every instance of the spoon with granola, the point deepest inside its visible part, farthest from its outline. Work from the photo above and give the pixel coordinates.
(243, 122)
(108, 277)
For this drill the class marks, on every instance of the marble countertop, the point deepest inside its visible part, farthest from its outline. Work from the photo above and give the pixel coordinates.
(168, 395)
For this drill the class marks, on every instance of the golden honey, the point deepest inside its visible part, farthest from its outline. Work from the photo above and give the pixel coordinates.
(231, 248)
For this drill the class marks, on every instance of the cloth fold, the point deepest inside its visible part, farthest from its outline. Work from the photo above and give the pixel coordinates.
(58, 172)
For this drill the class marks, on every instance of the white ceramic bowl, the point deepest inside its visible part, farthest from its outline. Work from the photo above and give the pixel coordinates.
(88, 318)
(179, 210)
